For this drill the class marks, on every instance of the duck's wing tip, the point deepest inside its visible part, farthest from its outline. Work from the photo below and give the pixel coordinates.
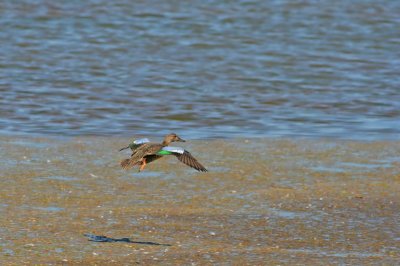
(189, 160)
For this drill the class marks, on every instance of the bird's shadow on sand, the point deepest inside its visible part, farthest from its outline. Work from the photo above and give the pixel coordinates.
(96, 238)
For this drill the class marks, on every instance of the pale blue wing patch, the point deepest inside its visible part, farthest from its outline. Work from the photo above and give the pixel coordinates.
(141, 141)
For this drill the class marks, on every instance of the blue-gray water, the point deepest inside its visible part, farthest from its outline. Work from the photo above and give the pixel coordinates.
(201, 68)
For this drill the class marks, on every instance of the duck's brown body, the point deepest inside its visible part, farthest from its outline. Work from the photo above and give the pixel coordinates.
(147, 153)
(140, 154)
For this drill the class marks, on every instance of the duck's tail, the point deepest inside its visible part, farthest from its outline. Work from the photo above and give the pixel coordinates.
(128, 164)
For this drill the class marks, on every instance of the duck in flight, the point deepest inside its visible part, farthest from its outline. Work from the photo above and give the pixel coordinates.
(145, 152)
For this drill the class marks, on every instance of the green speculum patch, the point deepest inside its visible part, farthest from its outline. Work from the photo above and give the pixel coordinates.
(162, 152)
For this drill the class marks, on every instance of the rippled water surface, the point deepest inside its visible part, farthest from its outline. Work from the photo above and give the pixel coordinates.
(202, 68)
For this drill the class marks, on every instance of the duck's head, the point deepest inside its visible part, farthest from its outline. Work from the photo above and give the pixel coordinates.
(172, 138)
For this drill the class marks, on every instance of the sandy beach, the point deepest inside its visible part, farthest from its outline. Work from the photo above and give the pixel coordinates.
(263, 202)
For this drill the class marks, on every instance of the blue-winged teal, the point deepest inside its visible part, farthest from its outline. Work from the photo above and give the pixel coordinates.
(144, 152)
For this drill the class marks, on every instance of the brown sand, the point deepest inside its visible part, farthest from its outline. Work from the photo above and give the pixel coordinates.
(264, 202)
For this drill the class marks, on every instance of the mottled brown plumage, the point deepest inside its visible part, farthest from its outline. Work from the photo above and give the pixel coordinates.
(147, 153)
(148, 149)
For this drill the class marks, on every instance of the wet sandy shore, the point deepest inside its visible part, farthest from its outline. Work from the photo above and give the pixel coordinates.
(264, 202)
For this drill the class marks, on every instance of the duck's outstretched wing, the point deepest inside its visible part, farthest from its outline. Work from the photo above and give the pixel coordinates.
(136, 144)
(189, 160)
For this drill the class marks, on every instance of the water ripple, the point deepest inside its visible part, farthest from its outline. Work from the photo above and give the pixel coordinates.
(208, 69)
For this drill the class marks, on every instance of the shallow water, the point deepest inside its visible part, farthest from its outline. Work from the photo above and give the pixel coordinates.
(267, 202)
(204, 68)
